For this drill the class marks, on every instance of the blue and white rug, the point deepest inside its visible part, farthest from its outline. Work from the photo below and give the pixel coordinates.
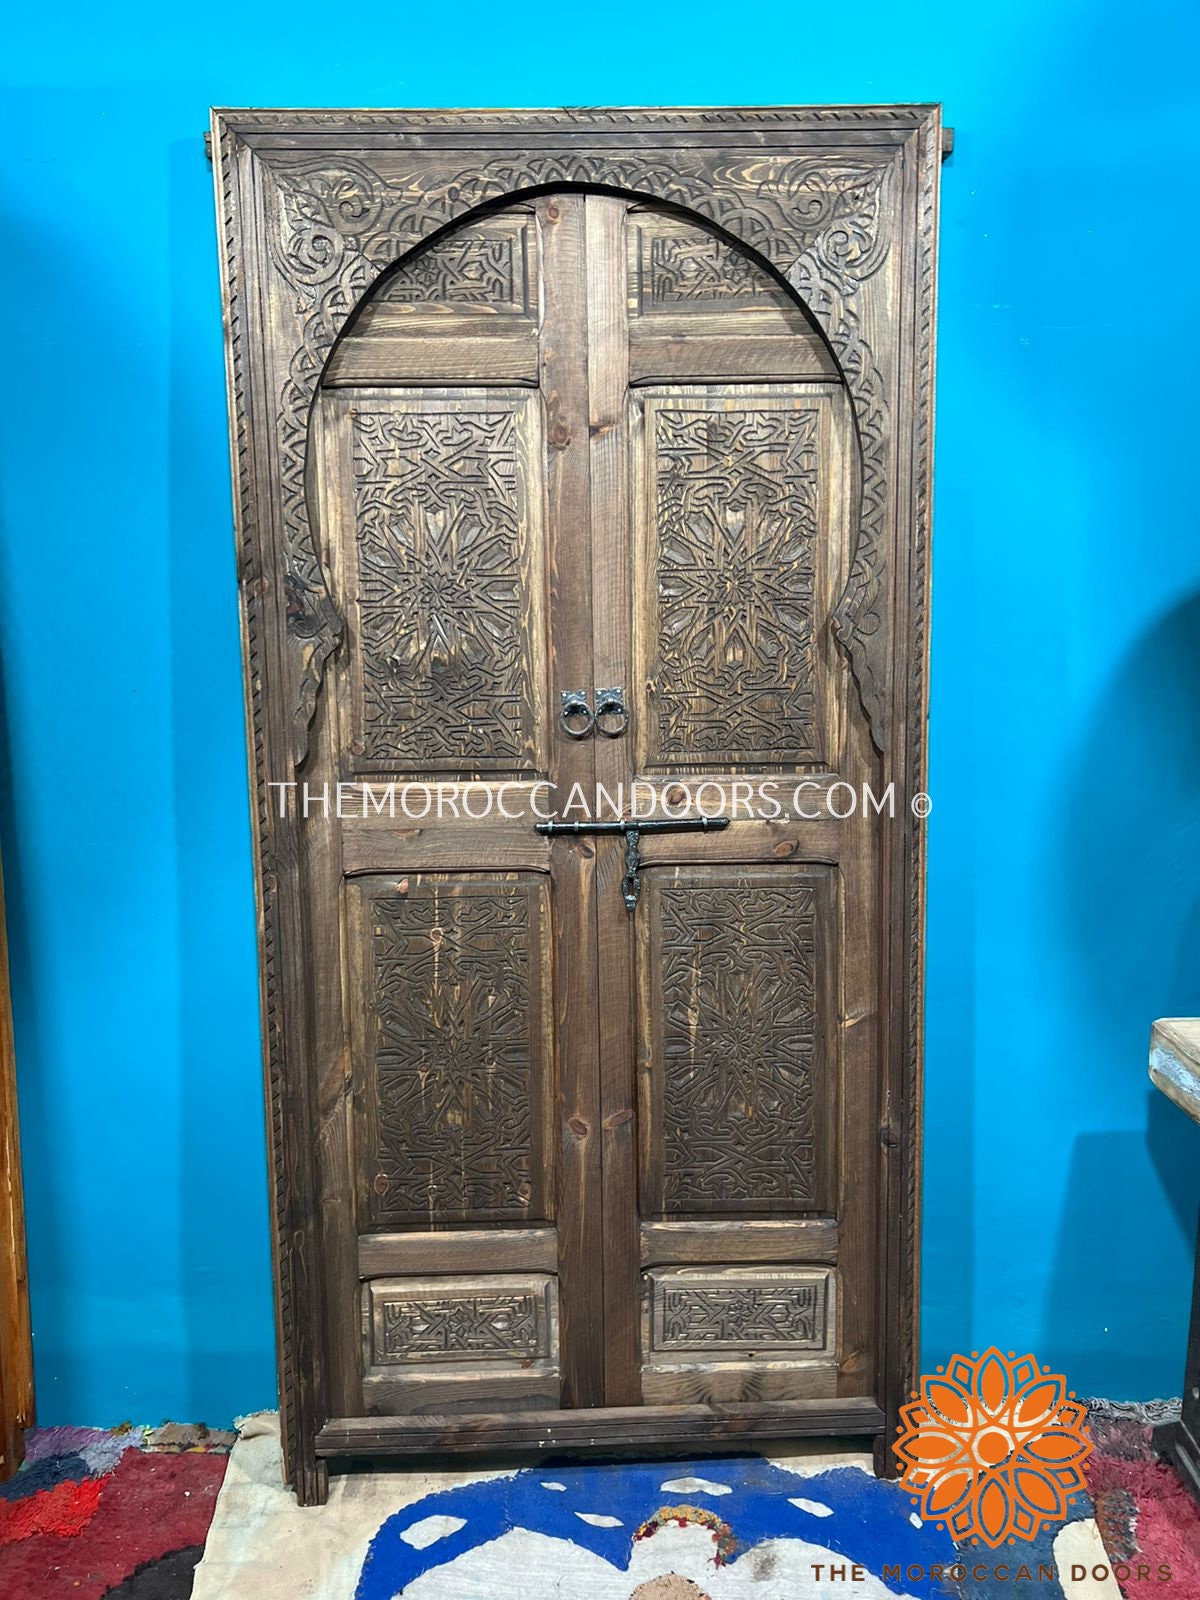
(714, 1527)
(717, 1528)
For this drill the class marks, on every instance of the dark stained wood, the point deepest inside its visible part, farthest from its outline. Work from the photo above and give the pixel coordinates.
(445, 1393)
(768, 358)
(460, 1250)
(690, 1243)
(486, 452)
(608, 385)
(602, 1428)
(739, 1382)
(471, 359)
(568, 493)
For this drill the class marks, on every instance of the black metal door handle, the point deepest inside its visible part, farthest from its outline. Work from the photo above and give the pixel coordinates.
(575, 715)
(611, 703)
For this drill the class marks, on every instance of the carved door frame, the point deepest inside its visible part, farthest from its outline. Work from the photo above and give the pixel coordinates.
(313, 206)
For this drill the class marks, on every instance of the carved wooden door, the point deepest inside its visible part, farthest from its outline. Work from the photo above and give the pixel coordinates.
(586, 908)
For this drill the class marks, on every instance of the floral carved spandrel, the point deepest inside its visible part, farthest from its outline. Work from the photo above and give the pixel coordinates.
(335, 226)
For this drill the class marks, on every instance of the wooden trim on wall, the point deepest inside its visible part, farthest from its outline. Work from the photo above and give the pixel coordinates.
(16, 1343)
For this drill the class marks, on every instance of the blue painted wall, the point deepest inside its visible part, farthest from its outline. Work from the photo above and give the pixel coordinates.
(1064, 886)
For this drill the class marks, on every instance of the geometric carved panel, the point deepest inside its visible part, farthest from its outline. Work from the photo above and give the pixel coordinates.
(484, 266)
(729, 1310)
(457, 1054)
(447, 567)
(738, 969)
(729, 570)
(676, 268)
(454, 1319)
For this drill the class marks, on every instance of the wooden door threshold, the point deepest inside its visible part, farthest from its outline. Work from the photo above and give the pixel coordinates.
(600, 1428)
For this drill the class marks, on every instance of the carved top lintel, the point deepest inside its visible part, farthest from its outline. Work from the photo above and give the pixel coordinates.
(630, 120)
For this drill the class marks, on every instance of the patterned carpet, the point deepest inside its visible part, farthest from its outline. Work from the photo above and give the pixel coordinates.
(120, 1513)
(127, 1513)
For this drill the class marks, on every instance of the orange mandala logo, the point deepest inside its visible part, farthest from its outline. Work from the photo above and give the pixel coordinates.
(992, 1447)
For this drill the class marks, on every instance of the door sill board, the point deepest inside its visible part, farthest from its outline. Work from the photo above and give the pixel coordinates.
(599, 1427)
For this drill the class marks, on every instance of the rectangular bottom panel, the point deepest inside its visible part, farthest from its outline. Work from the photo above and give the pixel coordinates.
(444, 1344)
(601, 1428)
(739, 1334)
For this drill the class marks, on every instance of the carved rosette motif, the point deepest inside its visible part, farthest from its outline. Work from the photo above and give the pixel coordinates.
(740, 1047)
(456, 1057)
(441, 578)
(736, 521)
(335, 224)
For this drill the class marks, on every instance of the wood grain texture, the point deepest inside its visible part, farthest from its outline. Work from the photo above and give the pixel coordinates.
(458, 1250)
(445, 1392)
(564, 380)
(16, 1343)
(807, 1239)
(670, 1427)
(740, 270)
(608, 384)
(739, 1382)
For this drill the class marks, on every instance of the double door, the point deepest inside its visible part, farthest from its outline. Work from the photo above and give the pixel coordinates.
(600, 1105)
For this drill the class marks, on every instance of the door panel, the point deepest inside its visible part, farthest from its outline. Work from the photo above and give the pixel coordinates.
(463, 310)
(737, 979)
(448, 657)
(731, 575)
(448, 1343)
(741, 549)
(453, 1034)
(695, 1310)
(702, 309)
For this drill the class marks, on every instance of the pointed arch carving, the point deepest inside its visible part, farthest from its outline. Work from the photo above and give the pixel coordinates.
(335, 225)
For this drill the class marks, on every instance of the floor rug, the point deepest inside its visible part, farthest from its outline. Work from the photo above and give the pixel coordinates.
(120, 1513)
(167, 1514)
(805, 1523)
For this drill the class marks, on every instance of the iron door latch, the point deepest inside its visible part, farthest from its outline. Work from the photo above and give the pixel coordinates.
(632, 828)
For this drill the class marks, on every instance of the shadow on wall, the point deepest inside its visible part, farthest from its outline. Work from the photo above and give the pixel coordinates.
(1132, 847)
(226, 1293)
(1131, 870)
(1129, 1329)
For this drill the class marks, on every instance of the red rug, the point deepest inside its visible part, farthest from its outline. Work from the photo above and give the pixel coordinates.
(1147, 1519)
(123, 1515)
